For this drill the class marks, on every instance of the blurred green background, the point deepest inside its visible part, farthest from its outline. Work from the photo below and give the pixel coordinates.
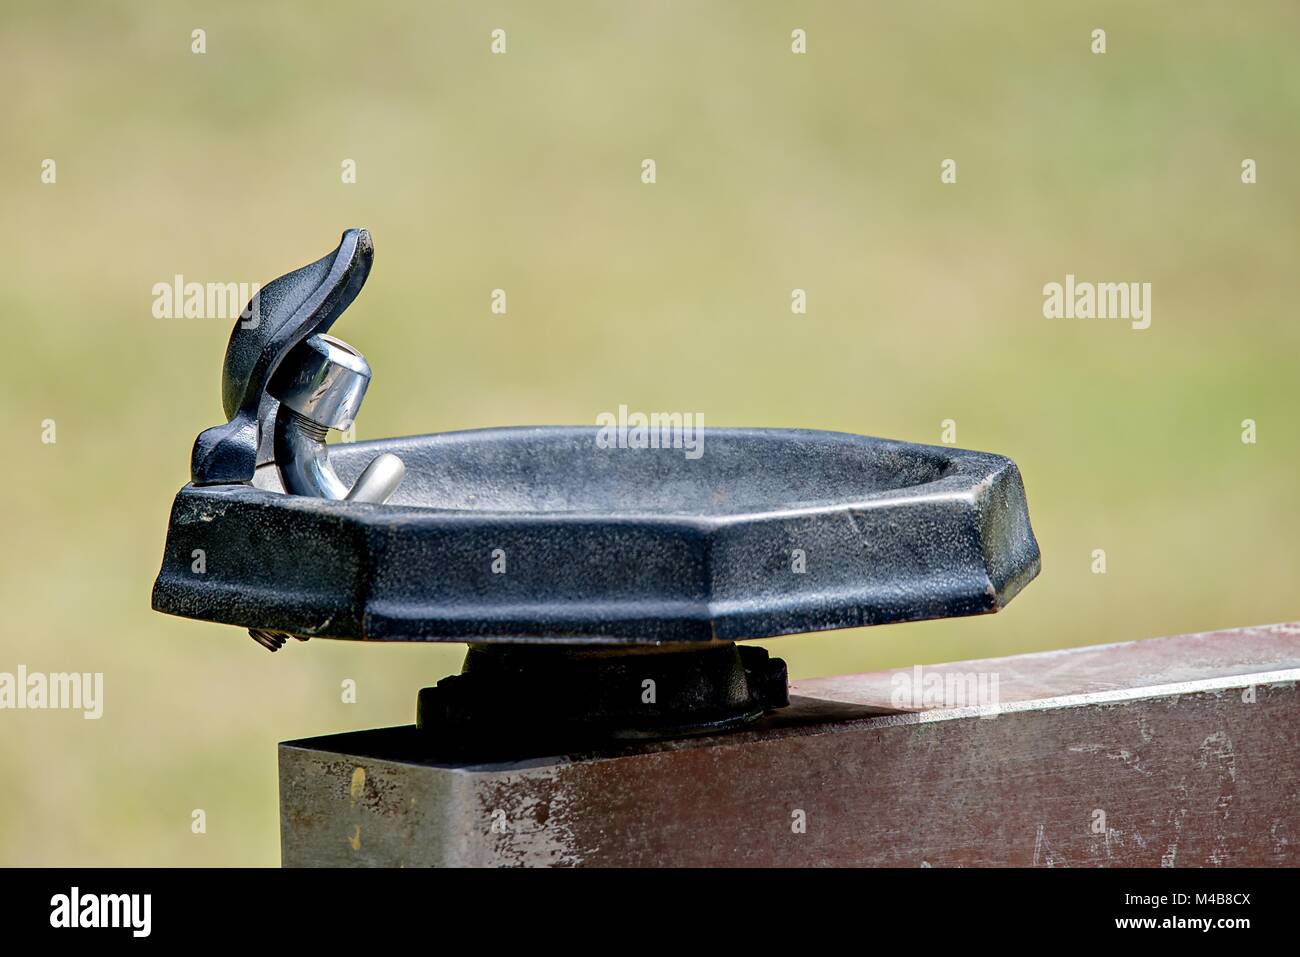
(522, 172)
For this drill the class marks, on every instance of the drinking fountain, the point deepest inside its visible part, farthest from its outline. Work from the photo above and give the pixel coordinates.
(602, 591)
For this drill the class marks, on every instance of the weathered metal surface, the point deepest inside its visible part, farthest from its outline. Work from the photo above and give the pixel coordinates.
(769, 532)
(1170, 752)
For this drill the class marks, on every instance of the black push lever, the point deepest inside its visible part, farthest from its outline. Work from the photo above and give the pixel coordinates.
(281, 315)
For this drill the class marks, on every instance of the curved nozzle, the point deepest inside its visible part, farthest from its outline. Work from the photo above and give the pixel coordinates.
(320, 386)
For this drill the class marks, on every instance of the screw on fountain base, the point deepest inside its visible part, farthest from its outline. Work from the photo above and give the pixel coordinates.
(513, 701)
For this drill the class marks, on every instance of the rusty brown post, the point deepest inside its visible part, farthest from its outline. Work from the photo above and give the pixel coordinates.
(1181, 751)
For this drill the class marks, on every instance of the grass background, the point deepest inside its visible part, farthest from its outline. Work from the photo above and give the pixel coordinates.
(521, 171)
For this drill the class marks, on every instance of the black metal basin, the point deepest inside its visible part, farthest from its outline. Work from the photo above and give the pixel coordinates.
(541, 535)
